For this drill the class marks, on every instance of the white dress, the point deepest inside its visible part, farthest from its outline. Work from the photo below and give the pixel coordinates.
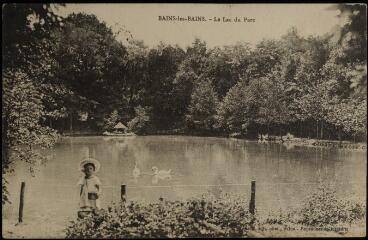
(89, 185)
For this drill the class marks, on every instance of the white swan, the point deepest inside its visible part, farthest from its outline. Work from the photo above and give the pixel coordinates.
(162, 174)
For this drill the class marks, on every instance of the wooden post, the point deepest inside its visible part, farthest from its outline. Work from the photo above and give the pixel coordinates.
(252, 203)
(21, 202)
(123, 193)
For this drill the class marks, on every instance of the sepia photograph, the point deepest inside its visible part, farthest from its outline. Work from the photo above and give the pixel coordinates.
(185, 120)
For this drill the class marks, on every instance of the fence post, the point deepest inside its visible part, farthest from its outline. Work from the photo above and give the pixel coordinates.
(252, 203)
(21, 202)
(123, 193)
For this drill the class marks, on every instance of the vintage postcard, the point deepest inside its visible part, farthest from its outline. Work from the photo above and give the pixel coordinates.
(184, 120)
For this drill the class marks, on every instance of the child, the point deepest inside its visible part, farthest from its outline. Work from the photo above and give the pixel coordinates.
(90, 186)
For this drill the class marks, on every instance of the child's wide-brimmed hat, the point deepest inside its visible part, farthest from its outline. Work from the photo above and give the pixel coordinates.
(93, 161)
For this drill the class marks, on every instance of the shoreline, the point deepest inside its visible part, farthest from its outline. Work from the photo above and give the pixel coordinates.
(308, 142)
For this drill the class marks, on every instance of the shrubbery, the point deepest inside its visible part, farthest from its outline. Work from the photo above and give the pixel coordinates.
(321, 209)
(324, 208)
(209, 216)
(204, 217)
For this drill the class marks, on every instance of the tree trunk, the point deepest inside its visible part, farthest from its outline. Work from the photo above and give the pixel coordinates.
(280, 130)
(308, 128)
(317, 130)
(71, 123)
(302, 129)
(321, 129)
(64, 124)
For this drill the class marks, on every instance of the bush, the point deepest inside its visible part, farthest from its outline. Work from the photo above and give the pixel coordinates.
(193, 218)
(323, 208)
(210, 216)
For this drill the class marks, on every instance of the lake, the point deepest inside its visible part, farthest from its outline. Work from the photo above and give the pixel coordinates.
(285, 175)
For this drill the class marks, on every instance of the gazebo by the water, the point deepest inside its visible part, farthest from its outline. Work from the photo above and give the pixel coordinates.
(120, 127)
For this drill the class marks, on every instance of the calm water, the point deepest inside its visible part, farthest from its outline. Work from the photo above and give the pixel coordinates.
(284, 175)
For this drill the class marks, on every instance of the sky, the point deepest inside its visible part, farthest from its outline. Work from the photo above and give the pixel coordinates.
(271, 21)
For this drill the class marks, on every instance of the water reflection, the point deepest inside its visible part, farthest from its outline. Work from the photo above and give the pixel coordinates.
(136, 173)
(283, 173)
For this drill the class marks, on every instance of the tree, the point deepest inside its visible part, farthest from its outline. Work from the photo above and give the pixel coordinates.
(141, 122)
(235, 110)
(353, 42)
(265, 57)
(202, 108)
(91, 65)
(272, 101)
(23, 133)
(26, 28)
(346, 70)
(29, 46)
(189, 73)
(227, 65)
(359, 81)
(26, 45)
(349, 116)
(352, 34)
(314, 105)
(261, 103)
(111, 120)
(163, 64)
(136, 74)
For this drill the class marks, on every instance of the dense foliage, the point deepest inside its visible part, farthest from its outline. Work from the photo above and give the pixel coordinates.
(309, 86)
(27, 62)
(209, 216)
(141, 122)
(193, 218)
(324, 208)
(312, 87)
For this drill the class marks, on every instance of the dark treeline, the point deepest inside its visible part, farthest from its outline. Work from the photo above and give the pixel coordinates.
(311, 87)
(72, 74)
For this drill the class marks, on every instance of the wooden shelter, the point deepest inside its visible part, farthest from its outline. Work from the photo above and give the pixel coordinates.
(120, 127)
